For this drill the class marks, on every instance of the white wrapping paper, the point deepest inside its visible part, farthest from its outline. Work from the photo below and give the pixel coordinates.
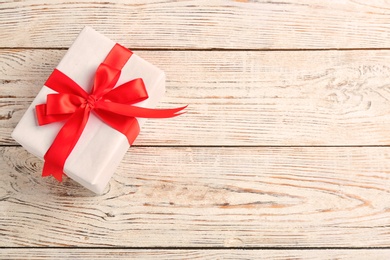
(100, 148)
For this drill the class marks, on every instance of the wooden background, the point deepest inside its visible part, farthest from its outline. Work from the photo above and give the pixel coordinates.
(283, 153)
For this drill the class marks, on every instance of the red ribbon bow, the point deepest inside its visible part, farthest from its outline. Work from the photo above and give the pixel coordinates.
(113, 106)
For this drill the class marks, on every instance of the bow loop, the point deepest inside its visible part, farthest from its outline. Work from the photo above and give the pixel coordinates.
(106, 77)
(62, 103)
(131, 92)
(61, 83)
(44, 119)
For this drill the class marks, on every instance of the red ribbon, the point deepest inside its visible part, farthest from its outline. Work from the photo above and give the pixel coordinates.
(112, 106)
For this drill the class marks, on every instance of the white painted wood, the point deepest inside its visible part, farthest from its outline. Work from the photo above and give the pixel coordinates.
(22, 254)
(205, 197)
(240, 98)
(239, 24)
(194, 191)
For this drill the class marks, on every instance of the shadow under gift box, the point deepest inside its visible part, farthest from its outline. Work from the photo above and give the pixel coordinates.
(100, 148)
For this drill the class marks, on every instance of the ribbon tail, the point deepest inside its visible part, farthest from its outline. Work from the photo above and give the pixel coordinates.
(52, 169)
(64, 143)
(126, 125)
(134, 111)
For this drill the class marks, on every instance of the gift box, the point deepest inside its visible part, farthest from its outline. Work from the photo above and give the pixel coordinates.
(99, 149)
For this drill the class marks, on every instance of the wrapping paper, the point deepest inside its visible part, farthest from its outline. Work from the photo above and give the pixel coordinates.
(100, 148)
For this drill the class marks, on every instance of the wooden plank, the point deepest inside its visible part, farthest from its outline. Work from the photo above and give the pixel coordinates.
(261, 24)
(240, 98)
(208, 197)
(80, 253)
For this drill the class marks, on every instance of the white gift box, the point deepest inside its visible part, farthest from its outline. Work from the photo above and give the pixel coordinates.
(100, 148)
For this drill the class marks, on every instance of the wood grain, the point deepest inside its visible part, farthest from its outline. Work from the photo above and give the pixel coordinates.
(170, 24)
(205, 197)
(240, 98)
(285, 144)
(37, 254)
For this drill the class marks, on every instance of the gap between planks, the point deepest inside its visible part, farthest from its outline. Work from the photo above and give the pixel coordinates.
(194, 254)
(174, 248)
(210, 49)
